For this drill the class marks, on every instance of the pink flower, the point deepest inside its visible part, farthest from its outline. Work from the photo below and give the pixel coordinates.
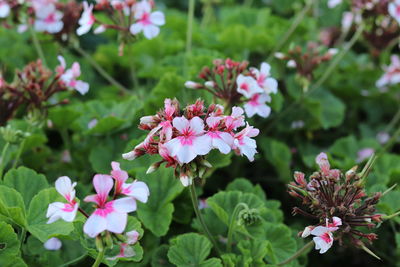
(52, 244)
(270, 85)
(323, 238)
(108, 215)
(222, 141)
(247, 86)
(394, 10)
(334, 225)
(48, 19)
(392, 73)
(4, 9)
(235, 120)
(191, 141)
(256, 105)
(146, 20)
(68, 77)
(66, 211)
(137, 190)
(244, 144)
(87, 19)
(323, 163)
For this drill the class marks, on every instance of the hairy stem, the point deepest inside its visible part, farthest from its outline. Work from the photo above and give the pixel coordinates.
(297, 254)
(193, 196)
(290, 31)
(232, 225)
(2, 159)
(100, 70)
(99, 258)
(37, 45)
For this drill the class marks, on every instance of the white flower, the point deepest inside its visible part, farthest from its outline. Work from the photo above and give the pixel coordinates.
(394, 10)
(256, 105)
(247, 86)
(48, 19)
(87, 19)
(4, 9)
(146, 20)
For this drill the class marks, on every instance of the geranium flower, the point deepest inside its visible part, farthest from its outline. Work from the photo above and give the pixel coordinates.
(191, 141)
(87, 19)
(394, 10)
(270, 85)
(48, 19)
(137, 190)
(323, 238)
(66, 211)
(68, 77)
(125, 249)
(235, 120)
(108, 215)
(220, 140)
(256, 105)
(52, 244)
(392, 73)
(244, 144)
(247, 86)
(4, 9)
(146, 20)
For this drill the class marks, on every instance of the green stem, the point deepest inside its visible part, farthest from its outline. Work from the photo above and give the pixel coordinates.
(74, 261)
(19, 152)
(3, 156)
(99, 258)
(393, 122)
(388, 217)
(391, 142)
(232, 225)
(323, 78)
(297, 254)
(22, 237)
(100, 70)
(292, 28)
(37, 45)
(193, 196)
(189, 32)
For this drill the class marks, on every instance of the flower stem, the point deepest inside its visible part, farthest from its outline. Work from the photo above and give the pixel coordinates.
(99, 258)
(19, 152)
(388, 217)
(193, 196)
(2, 159)
(37, 45)
(100, 70)
(323, 78)
(232, 224)
(292, 28)
(297, 254)
(189, 31)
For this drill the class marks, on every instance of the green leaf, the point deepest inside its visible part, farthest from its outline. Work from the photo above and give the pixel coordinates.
(62, 117)
(37, 221)
(156, 214)
(12, 208)
(279, 155)
(224, 203)
(106, 125)
(283, 245)
(27, 182)
(9, 245)
(159, 257)
(245, 186)
(255, 250)
(191, 250)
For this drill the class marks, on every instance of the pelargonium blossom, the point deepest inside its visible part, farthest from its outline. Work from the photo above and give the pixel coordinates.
(234, 83)
(392, 73)
(87, 19)
(48, 18)
(184, 138)
(394, 10)
(68, 76)
(4, 9)
(146, 21)
(125, 249)
(59, 210)
(338, 203)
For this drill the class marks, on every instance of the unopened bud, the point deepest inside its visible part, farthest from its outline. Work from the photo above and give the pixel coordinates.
(350, 174)
(279, 55)
(299, 178)
(192, 85)
(108, 240)
(99, 243)
(210, 84)
(153, 167)
(12, 136)
(130, 155)
(185, 179)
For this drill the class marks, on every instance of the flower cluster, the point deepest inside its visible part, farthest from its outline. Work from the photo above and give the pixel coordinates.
(338, 202)
(110, 215)
(34, 85)
(183, 138)
(307, 60)
(232, 81)
(392, 73)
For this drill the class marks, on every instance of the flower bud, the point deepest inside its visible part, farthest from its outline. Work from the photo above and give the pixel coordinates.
(248, 217)
(12, 136)
(299, 178)
(192, 85)
(210, 84)
(99, 243)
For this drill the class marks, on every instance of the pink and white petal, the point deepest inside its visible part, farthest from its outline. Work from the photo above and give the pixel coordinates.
(150, 31)
(81, 87)
(55, 27)
(173, 146)
(265, 69)
(54, 211)
(250, 110)
(119, 175)
(116, 222)
(221, 145)
(337, 221)
(181, 124)
(40, 25)
(76, 69)
(263, 111)
(102, 184)
(139, 191)
(64, 187)
(94, 225)
(201, 145)
(228, 138)
(4, 9)
(136, 28)
(186, 154)
(99, 29)
(197, 125)
(61, 59)
(157, 18)
(321, 245)
(124, 205)
(91, 198)
(270, 86)
(69, 216)
(319, 230)
(83, 29)
(213, 122)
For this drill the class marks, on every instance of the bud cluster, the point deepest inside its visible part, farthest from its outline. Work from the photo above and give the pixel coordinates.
(338, 201)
